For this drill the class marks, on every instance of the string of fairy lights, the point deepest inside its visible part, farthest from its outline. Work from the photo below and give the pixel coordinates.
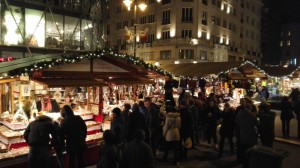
(71, 58)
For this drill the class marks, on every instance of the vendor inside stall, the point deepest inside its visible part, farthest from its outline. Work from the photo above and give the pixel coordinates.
(47, 104)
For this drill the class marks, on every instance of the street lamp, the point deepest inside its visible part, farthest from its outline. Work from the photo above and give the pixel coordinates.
(142, 7)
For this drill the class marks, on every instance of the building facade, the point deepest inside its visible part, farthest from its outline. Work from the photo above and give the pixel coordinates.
(290, 43)
(35, 27)
(179, 31)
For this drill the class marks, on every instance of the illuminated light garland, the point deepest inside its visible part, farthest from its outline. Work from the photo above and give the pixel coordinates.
(67, 59)
(242, 64)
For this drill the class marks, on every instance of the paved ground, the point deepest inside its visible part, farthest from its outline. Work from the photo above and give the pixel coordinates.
(293, 126)
(206, 157)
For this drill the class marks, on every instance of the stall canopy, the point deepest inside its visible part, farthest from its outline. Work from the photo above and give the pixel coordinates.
(24, 62)
(85, 69)
(108, 69)
(235, 70)
(280, 71)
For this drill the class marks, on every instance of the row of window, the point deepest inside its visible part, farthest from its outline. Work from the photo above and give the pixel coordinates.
(187, 17)
(288, 43)
(166, 20)
(182, 54)
(187, 33)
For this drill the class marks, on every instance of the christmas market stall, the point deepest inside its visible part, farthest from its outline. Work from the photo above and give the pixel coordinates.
(232, 80)
(91, 83)
(282, 80)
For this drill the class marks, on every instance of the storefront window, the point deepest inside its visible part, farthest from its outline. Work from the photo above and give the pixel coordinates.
(35, 28)
(72, 32)
(54, 31)
(87, 35)
(13, 26)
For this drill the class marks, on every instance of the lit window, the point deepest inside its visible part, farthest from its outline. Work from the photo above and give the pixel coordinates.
(165, 55)
(281, 43)
(186, 54)
(288, 43)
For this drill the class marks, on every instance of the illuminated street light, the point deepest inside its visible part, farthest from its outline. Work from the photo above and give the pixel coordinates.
(142, 6)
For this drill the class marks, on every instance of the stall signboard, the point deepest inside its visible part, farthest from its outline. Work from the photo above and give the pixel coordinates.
(25, 90)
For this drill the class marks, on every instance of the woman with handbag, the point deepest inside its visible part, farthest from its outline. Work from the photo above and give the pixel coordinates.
(171, 133)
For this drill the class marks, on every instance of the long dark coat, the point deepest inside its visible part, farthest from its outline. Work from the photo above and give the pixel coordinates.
(136, 121)
(186, 122)
(227, 127)
(117, 126)
(138, 154)
(75, 130)
(286, 110)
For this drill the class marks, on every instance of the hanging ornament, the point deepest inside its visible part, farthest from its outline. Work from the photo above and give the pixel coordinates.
(128, 35)
(144, 35)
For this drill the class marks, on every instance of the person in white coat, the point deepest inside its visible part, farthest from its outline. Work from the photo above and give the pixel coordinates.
(171, 132)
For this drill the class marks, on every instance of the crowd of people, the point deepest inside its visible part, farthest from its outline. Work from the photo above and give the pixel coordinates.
(168, 125)
(140, 130)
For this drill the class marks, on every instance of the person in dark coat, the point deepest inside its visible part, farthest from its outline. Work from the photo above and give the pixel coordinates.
(195, 113)
(108, 151)
(136, 121)
(201, 118)
(125, 117)
(296, 108)
(138, 153)
(227, 127)
(267, 123)
(117, 126)
(142, 108)
(241, 106)
(37, 137)
(152, 123)
(60, 147)
(186, 129)
(286, 116)
(212, 119)
(264, 93)
(246, 131)
(74, 129)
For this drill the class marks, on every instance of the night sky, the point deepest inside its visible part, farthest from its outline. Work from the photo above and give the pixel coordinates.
(277, 12)
(284, 11)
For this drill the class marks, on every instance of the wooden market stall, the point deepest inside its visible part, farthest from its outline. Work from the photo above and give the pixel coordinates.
(96, 82)
(226, 78)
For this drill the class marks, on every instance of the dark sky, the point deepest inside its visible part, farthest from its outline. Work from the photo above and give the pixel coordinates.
(279, 12)
(284, 11)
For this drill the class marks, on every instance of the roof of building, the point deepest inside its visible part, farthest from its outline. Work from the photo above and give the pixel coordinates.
(279, 71)
(235, 69)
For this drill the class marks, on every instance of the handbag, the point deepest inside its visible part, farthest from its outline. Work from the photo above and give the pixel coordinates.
(188, 143)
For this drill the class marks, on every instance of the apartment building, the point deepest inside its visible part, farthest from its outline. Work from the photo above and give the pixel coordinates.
(184, 31)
